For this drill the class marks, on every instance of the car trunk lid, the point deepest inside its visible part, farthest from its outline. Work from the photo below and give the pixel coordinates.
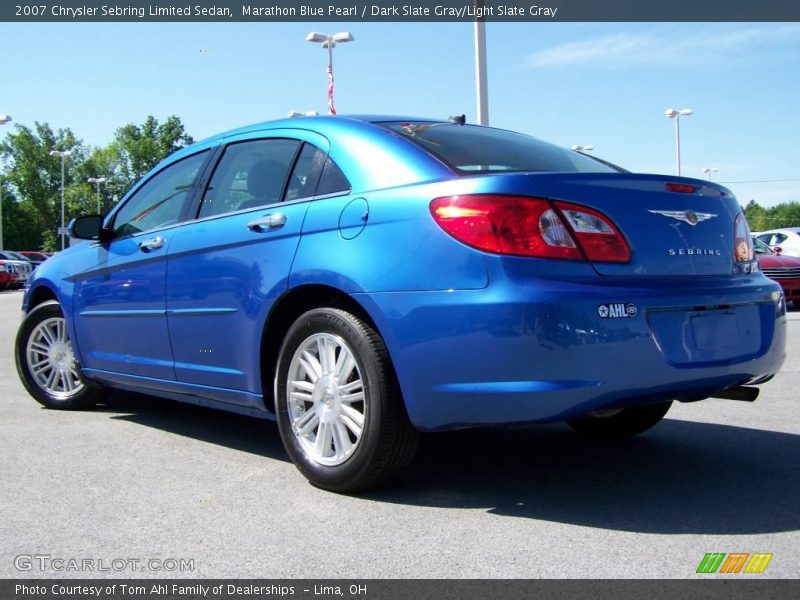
(674, 226)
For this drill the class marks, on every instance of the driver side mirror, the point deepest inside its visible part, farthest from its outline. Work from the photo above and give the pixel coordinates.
(777, 249)
(88, 227)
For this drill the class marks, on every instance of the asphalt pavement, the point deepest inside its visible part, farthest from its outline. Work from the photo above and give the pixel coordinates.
(144, 487)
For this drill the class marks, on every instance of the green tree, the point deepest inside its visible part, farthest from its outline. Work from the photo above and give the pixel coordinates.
(756, 216)
(785, 214)
(138, 148)
(134, 150)
(21, 230)
(35, 175)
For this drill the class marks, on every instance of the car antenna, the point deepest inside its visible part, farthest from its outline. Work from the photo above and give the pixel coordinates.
(460, 119)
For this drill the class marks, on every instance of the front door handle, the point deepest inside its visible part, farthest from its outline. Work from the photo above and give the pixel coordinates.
(267, 222)
(151, 244)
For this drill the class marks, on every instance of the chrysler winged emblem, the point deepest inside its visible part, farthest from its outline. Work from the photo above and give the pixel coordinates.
(687, 216)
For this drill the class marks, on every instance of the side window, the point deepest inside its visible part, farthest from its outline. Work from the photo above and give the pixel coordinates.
(305, 176)
(250, 174)
(159, 201)
(332, 180)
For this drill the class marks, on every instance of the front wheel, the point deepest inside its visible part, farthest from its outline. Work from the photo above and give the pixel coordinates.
(622, 423)
(46, 362)
(340, 412)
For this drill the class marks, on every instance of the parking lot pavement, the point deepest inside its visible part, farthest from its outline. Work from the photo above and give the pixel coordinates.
(144, 478)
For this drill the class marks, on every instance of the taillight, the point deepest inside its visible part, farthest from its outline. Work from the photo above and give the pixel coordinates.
(523, 226)
(600, 239)
(742, 240)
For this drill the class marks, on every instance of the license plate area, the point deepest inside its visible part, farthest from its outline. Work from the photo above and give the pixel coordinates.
(700, 336)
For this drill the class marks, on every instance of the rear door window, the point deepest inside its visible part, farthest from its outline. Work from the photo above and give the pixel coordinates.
(306, 172)
(332, 181)
(250, 174)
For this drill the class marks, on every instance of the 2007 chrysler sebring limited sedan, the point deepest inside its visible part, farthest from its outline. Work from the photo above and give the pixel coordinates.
(360, 279)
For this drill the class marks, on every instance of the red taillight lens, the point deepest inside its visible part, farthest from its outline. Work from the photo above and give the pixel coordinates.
(523, 226)
(513, 225)
(597, 235)
(742, 240)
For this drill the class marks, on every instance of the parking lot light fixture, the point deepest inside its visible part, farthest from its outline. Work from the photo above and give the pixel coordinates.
(329, 41)
(676, 114)
(98, 181)
(582, 149)
(64, 155)
(5, 119)
(709, 170)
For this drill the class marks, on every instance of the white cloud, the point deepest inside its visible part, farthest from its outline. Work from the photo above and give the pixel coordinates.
(666, 46)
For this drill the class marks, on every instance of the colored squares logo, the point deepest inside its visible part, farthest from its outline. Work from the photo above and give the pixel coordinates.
(734, 562)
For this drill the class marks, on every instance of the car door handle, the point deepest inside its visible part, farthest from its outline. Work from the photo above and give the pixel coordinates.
(151, 244)
(267, 222)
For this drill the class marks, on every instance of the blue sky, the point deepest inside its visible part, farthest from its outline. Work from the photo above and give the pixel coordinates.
(570, 83)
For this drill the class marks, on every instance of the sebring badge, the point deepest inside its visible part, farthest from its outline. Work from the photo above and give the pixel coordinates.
(687, 216)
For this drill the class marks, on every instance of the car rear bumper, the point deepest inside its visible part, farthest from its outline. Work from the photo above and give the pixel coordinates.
(540, 350)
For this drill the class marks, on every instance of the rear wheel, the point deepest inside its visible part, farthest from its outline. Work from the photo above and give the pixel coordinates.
(46, 362)
(622, 423)
(339, 408)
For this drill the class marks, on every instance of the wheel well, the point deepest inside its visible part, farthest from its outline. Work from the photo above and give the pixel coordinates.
(285, 312)
(39, 295)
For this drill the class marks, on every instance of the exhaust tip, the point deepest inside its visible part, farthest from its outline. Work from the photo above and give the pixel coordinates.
(738, 392)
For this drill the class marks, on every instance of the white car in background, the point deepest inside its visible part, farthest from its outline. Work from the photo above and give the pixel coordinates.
(787, 239)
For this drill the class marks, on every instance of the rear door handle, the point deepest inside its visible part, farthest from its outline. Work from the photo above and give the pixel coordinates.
(151, 244)
(267, 222)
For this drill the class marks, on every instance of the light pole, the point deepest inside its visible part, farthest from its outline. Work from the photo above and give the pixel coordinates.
(677, 114)
(329, 41)
(582, 149)
(709, 170)
(3, 120)
(481, 83)
(63, 154)
(98, 181)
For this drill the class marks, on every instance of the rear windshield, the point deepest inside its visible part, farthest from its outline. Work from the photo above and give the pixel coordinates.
(469, 149)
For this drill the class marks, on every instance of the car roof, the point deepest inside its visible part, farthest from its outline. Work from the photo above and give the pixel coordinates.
(328, 123)
(371, 156)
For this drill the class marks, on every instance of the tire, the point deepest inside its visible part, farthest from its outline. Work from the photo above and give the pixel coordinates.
(46, 364)
(342, 422)
(625, 423)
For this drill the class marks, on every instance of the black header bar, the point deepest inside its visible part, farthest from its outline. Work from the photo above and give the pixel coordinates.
(511, 11)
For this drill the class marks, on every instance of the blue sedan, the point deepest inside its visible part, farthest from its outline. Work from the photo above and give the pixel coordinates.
(362, 279)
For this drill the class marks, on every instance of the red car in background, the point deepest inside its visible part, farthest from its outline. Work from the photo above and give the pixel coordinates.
(34, 256)
(783, 269)
(8, 276)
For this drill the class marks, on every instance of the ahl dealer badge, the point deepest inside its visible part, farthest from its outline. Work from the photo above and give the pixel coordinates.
(617, 310)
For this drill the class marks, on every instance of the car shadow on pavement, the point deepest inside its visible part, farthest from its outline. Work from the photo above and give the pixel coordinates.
(247, 434)
(681, 477)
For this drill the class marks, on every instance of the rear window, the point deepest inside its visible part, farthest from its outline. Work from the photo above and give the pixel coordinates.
(470, 149)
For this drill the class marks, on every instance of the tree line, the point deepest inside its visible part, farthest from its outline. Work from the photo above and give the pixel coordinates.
(30, 179)
(785, 214)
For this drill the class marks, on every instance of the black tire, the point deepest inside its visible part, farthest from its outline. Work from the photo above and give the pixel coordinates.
(84, 395)
(387, 441)
(620, 425)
